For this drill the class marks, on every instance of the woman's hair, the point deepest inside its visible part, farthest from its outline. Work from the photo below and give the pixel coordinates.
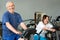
(44, 17)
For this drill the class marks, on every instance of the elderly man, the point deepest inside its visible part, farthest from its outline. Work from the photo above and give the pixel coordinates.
(10, 22)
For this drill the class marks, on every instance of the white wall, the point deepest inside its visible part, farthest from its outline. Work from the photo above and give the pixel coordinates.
(27, 8)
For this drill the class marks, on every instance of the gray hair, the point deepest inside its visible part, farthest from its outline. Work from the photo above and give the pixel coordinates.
(8, 3)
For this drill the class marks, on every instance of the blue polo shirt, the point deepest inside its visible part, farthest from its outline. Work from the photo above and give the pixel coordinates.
(14, 19)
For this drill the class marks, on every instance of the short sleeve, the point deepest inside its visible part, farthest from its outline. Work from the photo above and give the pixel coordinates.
(39, 27)
(49, 25)
(20, 19)
(5, 19)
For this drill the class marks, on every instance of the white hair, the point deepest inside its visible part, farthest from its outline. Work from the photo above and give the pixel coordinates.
(8, 3)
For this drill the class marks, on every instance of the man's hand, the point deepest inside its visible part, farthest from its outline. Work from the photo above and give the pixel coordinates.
(18, 32)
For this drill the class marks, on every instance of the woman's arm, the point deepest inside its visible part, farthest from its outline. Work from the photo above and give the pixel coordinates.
(50, 29)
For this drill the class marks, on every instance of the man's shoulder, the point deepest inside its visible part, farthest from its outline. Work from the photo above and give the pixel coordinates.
(16, 13)
(6, 13)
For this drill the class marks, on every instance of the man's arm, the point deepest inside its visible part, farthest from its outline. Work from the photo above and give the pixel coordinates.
(10, 27)
(23, 25)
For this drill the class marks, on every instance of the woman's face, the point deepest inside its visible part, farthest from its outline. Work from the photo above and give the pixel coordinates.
(46, 20)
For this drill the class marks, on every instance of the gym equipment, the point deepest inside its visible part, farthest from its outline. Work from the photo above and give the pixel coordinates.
(38, 17)
(28, 32)
(58, 18)
(0, 30)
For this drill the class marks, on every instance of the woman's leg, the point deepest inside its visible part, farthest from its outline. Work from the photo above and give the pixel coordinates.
(43, 38)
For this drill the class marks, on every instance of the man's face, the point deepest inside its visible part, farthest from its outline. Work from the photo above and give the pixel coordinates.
(11, 7)
(46, 20)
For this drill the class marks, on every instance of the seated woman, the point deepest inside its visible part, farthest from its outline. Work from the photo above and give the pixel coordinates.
(43, 26)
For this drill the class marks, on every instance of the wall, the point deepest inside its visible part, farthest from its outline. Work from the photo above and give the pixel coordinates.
(27, 8)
